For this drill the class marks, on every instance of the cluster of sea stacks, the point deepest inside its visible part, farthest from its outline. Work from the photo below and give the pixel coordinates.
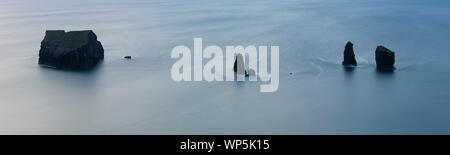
(82, 50)
(384, 58)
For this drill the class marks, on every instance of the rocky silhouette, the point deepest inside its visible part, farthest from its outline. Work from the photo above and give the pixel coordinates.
(349, 55)
(385, 59)
(239, 66)
(70, 50)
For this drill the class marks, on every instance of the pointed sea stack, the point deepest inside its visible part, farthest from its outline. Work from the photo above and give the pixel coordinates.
(349, 55)
(70, 50)
(385, 59)
(239, 66)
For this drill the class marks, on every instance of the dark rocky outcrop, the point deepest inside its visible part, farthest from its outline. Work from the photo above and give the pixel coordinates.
(239, 66)
(70, 50)
(349, 55)
(385, 59)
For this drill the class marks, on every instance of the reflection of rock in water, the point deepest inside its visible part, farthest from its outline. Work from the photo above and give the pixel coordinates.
(349, 69)
(349, 55)
(70, 50)
(385, 59)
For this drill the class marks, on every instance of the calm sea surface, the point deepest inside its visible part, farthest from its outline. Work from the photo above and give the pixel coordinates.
(138, 96)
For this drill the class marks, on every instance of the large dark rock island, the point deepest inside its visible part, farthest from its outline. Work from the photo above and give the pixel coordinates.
(385, 59)
(349, 55)
(70, 50)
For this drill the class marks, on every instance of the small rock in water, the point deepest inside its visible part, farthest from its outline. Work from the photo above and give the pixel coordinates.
(251, 72)
(290, 73)
(70, 50)
(239, 66)
(385, 59)
(127, 57)
(349, 55)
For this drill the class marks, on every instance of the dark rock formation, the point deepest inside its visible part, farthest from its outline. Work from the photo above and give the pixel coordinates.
(70, 50)
(239, 66)
(349, 55)
(127, 57)
(385, 59)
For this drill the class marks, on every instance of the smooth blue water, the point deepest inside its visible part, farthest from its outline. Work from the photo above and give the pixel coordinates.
(138, 96)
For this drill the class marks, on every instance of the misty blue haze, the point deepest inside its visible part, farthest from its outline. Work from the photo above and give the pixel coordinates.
(138, 96)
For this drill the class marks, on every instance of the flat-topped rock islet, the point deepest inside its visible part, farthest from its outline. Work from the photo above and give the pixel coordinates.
(70, 50)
